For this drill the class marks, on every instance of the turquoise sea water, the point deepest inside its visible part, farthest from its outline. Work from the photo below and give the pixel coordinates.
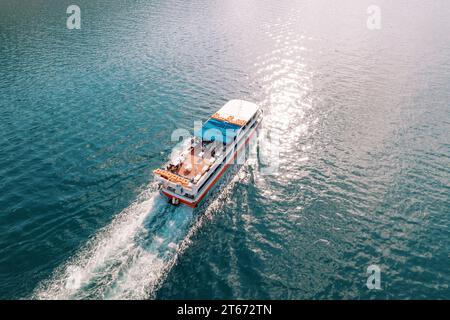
(362, 123)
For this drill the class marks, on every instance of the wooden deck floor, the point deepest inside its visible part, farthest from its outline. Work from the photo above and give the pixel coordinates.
(196, 163)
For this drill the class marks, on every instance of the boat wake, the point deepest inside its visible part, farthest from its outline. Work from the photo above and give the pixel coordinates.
(129, 258)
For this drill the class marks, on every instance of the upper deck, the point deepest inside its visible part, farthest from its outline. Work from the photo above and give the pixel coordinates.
(198, 159)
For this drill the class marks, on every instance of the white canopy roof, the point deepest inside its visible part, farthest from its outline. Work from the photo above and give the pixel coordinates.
(239, 109)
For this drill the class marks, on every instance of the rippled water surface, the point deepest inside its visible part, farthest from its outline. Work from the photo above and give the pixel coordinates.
(361, 123)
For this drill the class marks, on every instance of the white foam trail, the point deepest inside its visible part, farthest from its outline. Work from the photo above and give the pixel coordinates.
(102, 260)
(128, 260)
(152, 261)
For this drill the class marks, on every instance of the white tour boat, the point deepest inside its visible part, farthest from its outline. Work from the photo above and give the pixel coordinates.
(189, 177)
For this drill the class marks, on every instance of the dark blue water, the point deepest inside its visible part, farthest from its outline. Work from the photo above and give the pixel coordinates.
(359, 117)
